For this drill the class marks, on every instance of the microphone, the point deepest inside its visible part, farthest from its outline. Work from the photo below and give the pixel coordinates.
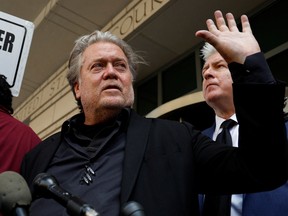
(47, 186)
(133, 208)
(15, 196)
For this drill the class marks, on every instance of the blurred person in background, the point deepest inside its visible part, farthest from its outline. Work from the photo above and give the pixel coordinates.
(16, 138)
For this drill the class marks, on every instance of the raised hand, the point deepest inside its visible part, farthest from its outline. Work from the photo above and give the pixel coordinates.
(231, 43)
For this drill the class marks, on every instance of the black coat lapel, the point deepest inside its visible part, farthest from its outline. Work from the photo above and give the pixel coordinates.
(137, 136)
(42, 155)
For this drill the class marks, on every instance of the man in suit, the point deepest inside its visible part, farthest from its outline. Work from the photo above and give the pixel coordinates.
(108, 155)
(217, 91)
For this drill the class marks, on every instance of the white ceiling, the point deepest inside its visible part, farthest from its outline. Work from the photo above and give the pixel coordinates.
(163, 38)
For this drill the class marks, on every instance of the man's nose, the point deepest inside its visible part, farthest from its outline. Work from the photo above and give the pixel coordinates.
(110, 71)
(209, 73)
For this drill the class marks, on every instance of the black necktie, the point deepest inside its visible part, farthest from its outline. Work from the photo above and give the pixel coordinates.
(216, 205)
(225, 136)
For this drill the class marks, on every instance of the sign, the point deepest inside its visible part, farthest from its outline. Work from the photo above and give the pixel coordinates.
(15, 40)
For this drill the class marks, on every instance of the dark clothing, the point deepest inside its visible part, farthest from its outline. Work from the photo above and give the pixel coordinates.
(91, 159)
(16, 139)
(267, 203)
(166, 163)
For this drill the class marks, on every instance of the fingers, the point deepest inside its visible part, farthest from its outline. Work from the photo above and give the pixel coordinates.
(232, 43)
(211, 26)
(220, 21)
(221, 27)
(216, 28)
(221, 24)
(245, 24)
(231, 22)
(207, 36)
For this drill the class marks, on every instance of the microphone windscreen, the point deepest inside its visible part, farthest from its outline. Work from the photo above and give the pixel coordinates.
(132, 208)
(14, 191)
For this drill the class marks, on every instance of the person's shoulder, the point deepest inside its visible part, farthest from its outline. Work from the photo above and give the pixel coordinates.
(171, 124)
(21, 125)
(52, 138)
(46, 143)
(162, 122)
(14, 120)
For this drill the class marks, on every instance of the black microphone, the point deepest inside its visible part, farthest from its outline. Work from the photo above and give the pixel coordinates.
(133, 208)
(47, 186)
(15, 196)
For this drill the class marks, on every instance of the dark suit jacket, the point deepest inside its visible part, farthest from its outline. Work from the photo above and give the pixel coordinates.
(167, 163)
(268, 203)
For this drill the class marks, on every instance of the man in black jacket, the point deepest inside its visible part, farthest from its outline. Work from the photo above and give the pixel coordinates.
(108, 155)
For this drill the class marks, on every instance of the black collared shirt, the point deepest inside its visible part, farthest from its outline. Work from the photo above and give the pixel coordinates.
(88, 164)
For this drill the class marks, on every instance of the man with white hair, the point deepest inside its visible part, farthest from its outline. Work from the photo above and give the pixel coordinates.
(218, 93)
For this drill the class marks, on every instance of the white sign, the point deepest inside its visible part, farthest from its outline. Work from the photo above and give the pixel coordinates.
(15, 40)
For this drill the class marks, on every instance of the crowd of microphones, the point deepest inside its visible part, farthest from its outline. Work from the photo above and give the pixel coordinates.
(15, 197)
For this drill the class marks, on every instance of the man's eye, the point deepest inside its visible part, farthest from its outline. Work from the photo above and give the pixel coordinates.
(120, 66)
(97, 66)
(222, 66)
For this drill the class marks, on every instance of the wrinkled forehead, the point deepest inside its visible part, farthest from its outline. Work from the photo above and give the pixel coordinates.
(103, 47)
(103, 51)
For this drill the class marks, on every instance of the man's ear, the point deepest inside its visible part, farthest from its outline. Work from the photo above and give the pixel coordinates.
(76, 89)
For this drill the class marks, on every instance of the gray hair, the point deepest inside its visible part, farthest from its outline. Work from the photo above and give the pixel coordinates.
(207, 50)
(76, 60)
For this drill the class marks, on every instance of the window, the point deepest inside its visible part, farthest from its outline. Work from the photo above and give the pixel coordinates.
(179, 79)
(147, 96)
